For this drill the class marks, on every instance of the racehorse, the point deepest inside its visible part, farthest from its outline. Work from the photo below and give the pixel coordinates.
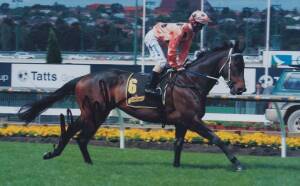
(185, 99)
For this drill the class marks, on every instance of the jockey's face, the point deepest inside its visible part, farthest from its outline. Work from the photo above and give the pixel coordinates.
(197, 26)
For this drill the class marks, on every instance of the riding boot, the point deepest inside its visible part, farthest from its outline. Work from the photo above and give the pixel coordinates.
(151, 86)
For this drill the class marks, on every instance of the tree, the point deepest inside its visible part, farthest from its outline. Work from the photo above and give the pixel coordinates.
(6, 32)
(182, 11)
(39, 34)
(53, 50)
(246, 12)
(116, 8)
(72, 37)
(4, 8)
(59, 7)
(228, 13)
(110, 38)
(101, 9)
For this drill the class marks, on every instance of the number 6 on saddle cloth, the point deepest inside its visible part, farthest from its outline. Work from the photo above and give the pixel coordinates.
(135, 92)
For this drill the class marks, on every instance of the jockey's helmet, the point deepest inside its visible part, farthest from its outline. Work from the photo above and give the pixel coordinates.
(199, 17)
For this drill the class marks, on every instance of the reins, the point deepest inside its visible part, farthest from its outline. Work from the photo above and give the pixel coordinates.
(228, 61)
(172, 80)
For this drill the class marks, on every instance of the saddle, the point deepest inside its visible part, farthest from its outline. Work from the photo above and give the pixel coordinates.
(136, 96)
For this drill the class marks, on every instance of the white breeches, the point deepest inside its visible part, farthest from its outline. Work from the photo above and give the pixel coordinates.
(156, 52)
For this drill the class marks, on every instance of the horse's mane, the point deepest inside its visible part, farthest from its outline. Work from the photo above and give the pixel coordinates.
(225, 46)
(211, 52)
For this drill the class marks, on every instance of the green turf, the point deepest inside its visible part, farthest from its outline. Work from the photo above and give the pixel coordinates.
(22, 164)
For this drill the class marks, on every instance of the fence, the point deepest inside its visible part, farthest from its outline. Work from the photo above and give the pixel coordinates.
(274, 100)
(209, 116)
(11, 99)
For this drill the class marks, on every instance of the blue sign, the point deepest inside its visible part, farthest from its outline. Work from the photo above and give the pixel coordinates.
(274, 74)
(278, 60)
(5, 74)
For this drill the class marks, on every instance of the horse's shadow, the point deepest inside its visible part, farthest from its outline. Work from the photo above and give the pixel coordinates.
(295, 167)
(167, 164)
(206, 166)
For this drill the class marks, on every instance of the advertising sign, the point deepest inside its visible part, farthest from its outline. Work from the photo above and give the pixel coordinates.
(278, 60)
(5, 75)
(271, 79)
(44, 75)
(282, 58)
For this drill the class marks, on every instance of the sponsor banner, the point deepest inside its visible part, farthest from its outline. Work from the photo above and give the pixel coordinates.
(5, 74)
(271, 79)
(44, 75)
(282, 58)
(250, 74)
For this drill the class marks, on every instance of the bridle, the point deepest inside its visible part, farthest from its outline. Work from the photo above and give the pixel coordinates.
(228, 61)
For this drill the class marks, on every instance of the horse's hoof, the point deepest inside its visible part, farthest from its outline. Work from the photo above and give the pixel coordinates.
(239, 168)
(176, 165)
(48, 155)
(89, 162)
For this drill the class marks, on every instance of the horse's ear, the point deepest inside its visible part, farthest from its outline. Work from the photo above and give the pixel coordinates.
(231, 43)
(227, 44)
(239, 46)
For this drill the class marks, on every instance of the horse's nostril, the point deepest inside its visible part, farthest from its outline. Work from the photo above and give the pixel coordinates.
(242, 90)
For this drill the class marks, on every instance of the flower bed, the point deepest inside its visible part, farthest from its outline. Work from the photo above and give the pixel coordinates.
(154, 135)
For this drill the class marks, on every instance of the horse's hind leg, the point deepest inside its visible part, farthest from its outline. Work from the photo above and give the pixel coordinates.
(94, 115)
(87, 132)
(180, 132)
(199, 127)
(64, 139)
(83, 139)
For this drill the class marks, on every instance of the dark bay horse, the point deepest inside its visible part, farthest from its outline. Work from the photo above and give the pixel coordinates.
(97, 94)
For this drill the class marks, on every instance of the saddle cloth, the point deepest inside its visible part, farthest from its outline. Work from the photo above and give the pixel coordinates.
(136, 96)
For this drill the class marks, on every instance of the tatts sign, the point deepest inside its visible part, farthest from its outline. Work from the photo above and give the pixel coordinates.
(45, 76)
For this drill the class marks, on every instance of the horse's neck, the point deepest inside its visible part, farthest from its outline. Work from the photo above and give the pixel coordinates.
(210, 67)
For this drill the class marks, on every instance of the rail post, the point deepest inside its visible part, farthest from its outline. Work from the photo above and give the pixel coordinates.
(283, 131)
(122, 129)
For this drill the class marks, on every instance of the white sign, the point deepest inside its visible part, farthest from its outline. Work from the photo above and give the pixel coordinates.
(44, 75)
(249, 74)
(281, 58)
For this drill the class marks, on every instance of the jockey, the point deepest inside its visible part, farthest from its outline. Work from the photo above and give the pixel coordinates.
(176, 38)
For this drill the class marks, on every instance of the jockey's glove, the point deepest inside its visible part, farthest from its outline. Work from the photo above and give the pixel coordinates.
(180, 69)
(171, 70)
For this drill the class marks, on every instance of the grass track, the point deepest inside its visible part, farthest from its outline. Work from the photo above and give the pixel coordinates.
(22, 164)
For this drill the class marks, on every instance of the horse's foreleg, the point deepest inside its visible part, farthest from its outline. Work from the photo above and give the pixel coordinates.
(64, 139)
(180, 132)
(199, 127)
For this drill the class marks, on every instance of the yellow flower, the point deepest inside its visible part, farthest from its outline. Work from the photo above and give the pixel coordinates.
(155, 135)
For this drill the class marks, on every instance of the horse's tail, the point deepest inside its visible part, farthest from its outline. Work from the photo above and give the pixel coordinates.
(28, 112)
